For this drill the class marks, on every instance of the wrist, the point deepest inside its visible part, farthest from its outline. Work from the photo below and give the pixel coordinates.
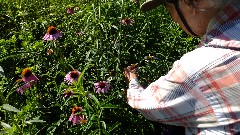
(132, 76)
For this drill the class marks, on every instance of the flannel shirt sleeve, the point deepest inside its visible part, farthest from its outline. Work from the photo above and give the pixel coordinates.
(153, 95)
(140, 98)
(171, 99)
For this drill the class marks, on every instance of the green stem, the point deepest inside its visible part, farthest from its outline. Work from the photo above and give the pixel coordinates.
(99, 123)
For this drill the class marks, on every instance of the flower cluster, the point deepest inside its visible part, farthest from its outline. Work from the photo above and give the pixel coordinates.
(54, 34)
(73, 77)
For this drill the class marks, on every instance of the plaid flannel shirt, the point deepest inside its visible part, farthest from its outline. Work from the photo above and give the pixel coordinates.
(202, 90)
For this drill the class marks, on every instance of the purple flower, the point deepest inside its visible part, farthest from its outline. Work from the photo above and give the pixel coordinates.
(71, 77)
(52, 34)
(76, 117)
(28, 78)
(70, 10)
(102, 87)
(127, 21)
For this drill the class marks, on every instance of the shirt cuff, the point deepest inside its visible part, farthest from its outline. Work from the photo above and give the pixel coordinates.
(133, 83)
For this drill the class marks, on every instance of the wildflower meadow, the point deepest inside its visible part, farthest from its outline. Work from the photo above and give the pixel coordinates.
(61, 64)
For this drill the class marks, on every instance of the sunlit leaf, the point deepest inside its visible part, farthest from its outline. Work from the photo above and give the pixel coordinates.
(2, 72)
(10, 108)
(103, 124)
(35, 120)
(5, 125)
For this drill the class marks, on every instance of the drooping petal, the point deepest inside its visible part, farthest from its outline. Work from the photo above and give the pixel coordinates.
(71, 117)
(30, 78)
(23, 88)
(76, 119)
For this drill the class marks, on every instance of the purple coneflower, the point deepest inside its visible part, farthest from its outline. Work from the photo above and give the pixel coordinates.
(71, 77)
(52, 34)
(102, 87)
(70, 10)
(127, 21)
(76, 117)
(28, 78)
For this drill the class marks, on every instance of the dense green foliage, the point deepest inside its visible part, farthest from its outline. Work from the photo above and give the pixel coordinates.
(100, 52)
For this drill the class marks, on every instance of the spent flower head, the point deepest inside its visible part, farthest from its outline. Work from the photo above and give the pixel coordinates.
(68, 93)
(102, 87)
(127, 21)
(150, 58)
(52, 34)
(72, 76)
(70, 10)
(49, 51)
(79, 33)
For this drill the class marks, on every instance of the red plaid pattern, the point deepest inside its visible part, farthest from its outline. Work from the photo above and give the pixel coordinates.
(202, 90)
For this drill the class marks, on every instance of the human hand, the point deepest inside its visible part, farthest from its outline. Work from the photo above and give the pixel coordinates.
(130, 72)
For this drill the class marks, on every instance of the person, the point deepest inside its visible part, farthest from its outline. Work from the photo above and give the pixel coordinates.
(202, 90)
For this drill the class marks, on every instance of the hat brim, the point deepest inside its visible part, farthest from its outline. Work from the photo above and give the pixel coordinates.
(151, 4)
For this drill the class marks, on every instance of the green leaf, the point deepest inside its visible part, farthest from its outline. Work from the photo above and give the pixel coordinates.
(113, 127)
(95, 99)
(34, 120)
(109, 106)
(5, 125)
(81, 75)
(103, 124)
(2, 72)
(10, 108)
